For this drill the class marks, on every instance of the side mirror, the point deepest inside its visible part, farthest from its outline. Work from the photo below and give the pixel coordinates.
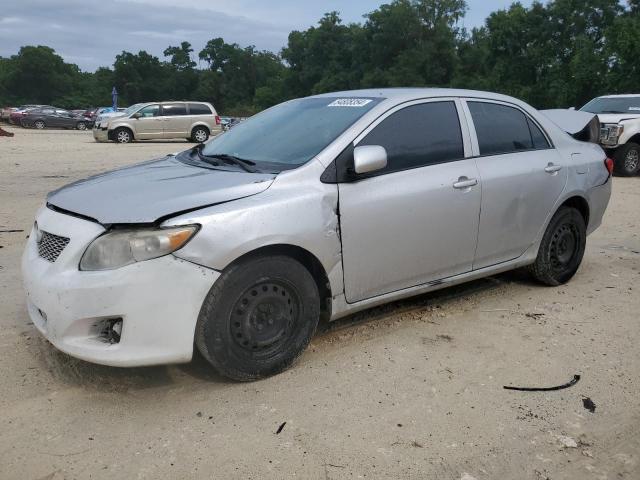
(136, 115)
(369, 158)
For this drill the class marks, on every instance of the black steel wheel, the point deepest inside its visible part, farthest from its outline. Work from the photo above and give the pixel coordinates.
(562, 248)
(258, 317)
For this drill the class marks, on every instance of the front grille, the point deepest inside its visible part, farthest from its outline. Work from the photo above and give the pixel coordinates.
(51, 246)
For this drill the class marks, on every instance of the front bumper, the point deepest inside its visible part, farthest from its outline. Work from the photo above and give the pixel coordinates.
(158, 300)
(100, 134)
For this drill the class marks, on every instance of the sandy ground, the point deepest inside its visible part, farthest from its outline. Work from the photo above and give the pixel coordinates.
(411, 390)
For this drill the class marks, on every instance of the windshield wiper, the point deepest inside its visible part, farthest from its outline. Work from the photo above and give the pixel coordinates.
(246, 165)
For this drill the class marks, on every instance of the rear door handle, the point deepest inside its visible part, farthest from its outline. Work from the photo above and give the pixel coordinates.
(551, 168)
(464, 182)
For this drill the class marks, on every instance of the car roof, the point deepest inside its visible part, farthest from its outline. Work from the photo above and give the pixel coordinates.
(407, 94)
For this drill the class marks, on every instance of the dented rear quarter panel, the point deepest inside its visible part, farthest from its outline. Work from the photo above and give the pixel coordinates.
(297, 209)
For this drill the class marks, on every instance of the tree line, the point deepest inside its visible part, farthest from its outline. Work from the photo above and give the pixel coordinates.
(557, 54)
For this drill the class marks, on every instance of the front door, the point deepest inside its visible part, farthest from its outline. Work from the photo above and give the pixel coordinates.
(522, 178)
(149, 124)
(416, 221)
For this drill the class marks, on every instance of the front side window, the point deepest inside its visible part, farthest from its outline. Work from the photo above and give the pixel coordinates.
(502, 129)
(419, 135)
(150, 111)
(174, 109)
(199, 109)
(292, 133)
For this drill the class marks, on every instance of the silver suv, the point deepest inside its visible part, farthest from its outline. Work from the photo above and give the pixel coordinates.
(195, 121)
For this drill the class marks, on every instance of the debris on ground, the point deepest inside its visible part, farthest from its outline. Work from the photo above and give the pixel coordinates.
(4, 133)
(11, 231)
(466, 476)
(567, 442)
(588, 404)
(280, 428)
(573, 381)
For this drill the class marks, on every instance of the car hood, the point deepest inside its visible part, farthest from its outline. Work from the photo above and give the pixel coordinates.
(150, 191)
(616, 117)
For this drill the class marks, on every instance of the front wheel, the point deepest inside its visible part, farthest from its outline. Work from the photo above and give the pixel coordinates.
(627, 160)
(81, 126)
(39, 124)
(562, 248)
(258, 317)
(123, 135)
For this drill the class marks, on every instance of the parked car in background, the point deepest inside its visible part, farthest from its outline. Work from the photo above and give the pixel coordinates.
(18, 113)
(195, 121)
(620, 130)
(49, 117)
(240, 246)
(228, 123)
(5, 113)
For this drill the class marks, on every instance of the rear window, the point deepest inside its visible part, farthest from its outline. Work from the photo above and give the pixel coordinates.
(500, 129)
(174, 109)
(199, 109)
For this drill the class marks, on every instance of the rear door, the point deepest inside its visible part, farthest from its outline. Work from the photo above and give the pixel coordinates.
(149, 125)
(416, 221)
(176, 122)
(522, 177)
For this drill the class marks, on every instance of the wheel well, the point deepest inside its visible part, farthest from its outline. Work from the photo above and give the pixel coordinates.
(580, 204)
(310, 262)
(200, 126)
(635, 139)
(111, 135)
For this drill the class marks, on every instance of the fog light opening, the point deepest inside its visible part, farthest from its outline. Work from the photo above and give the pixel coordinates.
(112, 330)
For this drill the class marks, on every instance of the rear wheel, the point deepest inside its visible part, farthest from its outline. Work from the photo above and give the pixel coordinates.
(123, 135)
(199, 134)
(39, 124)
(258, 317)
(81, 126)
(627, 160)
(562, 248)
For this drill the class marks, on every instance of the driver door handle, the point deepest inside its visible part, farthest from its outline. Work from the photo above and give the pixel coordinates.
(464, 182)
(551, 168)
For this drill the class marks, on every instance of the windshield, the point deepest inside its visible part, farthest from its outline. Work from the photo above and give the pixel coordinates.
(132, 109)
(613, 105)
(292, 133)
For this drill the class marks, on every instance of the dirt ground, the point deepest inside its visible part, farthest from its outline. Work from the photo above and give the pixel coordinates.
(412, 390)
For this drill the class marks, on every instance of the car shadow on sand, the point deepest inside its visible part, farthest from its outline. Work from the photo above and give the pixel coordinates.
(78, 373)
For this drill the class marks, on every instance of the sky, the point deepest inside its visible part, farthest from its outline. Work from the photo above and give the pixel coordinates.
(90, 33)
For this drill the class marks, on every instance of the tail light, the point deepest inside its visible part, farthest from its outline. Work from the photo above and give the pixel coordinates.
(609, 164)
(217, 120)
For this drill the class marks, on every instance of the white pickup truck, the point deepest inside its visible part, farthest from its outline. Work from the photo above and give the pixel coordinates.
(619, 130)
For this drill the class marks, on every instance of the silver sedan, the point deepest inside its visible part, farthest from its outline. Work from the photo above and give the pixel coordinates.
(314, 209)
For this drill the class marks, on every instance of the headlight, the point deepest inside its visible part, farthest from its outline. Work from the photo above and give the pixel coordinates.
(124, 247)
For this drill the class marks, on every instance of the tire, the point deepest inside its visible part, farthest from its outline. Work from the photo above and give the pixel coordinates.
(123, 135)
(258, 317)
(199, 134)
(627, 160)
(39, 124)
(562, 248)
(81, 126)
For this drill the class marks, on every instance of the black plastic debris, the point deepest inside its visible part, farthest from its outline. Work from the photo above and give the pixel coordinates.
(589, 405)
(573, 381)
(280, 428)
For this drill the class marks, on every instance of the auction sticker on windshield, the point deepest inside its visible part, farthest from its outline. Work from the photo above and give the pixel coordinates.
(350, 102)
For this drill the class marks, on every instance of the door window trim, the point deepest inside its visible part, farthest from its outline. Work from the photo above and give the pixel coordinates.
(336, 173)
(474, 135)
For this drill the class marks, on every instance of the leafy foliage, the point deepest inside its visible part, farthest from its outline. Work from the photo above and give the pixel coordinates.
(560, 53)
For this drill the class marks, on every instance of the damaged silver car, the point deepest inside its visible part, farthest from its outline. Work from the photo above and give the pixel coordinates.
(313, 209)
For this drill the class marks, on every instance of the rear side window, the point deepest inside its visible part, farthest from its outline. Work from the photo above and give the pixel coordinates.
(540, 142)
(502, 129)
(174, 109)
(199, 109)
(419, 135)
